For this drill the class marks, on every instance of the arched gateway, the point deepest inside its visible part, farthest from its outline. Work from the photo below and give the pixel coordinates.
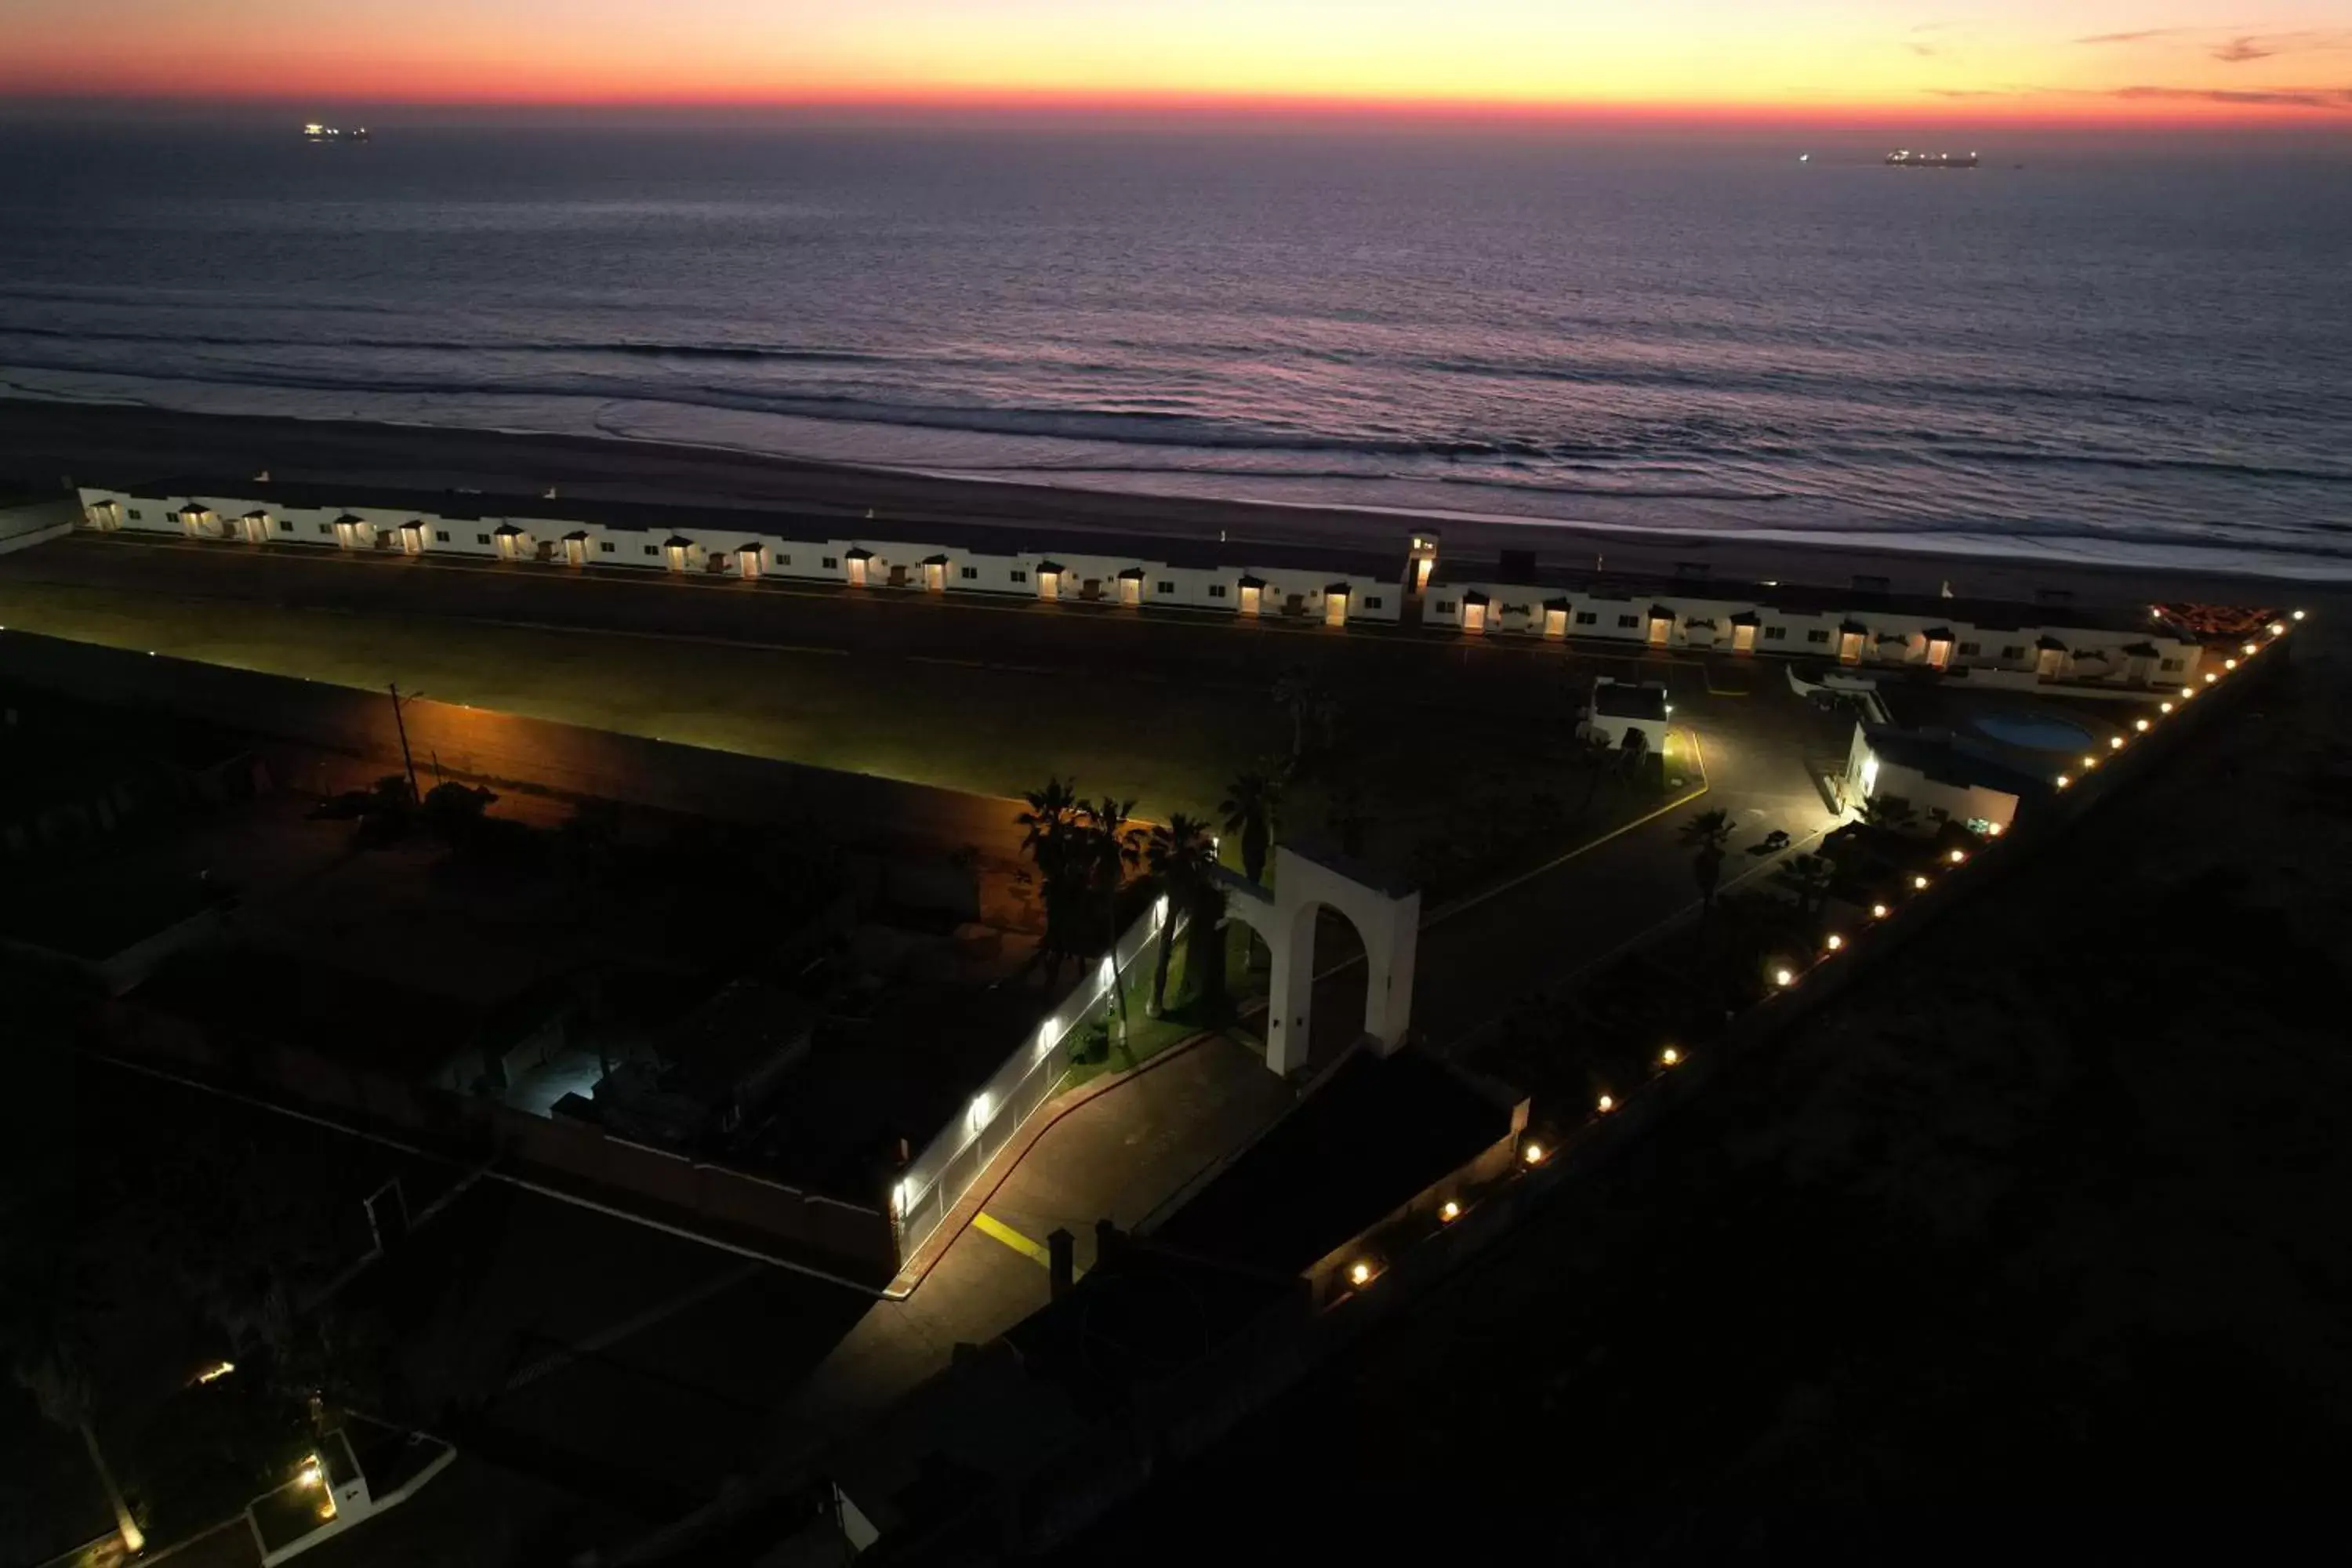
(1387, 919)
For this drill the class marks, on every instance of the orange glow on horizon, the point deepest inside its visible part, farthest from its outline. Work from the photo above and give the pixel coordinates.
(1835, 62)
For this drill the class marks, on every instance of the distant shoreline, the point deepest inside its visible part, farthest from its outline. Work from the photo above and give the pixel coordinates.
(42, 442)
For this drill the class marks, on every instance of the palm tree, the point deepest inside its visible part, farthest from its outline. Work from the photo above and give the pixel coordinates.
(1591, 756)
(1051, 836)
(1297, 693)
(1253, 808)
(48, 1356)
(1180, 855)
(1810, 878)
(1705, 835)
(1891, 812)
(1109, 849)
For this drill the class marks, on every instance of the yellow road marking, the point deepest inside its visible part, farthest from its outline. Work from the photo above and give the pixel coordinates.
(990, 1225)
(1474, 900)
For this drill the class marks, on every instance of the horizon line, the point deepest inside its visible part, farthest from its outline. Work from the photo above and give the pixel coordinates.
(2119, 111)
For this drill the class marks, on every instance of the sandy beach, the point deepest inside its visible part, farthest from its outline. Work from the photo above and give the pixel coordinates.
(45, 444)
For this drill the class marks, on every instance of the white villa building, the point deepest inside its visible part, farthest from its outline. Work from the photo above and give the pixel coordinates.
(1988, 644)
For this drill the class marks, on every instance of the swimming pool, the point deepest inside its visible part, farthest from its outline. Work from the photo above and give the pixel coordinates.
(2033, 732)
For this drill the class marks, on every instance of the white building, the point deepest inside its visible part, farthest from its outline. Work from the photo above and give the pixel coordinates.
(1989, 645)
(1942, 776)
(1618, 707)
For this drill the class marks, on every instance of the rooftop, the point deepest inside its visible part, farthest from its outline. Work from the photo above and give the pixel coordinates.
(663, 519)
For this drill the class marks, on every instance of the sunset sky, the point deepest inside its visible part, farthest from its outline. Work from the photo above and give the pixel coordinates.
(1980, 59)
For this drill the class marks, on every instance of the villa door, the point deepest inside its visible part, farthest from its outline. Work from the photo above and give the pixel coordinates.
(1661, 628)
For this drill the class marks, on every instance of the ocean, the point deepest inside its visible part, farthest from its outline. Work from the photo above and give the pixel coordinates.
(2078, 349)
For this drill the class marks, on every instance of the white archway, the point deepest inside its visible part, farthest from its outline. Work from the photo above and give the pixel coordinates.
(1388, 920)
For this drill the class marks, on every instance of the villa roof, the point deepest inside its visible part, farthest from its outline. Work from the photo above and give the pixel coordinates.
(858, 553)
(350, 519)
(506, 531)
(939, 559)
(2049, 644)
(675, 542)
(1624, 700)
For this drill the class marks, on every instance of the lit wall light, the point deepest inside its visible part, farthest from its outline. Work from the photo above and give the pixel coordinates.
(1448, 1212)
(1960, 856)
(2210, 677)
(310, 1474)
(1878, 911)
(2090, 762)
(1359, 1274)
(1784, 977)
(1605, 1104)
(2115, 743)
(1669, 1057)
(1995, 829)
(2141, 725)
(216, 1372)
(2298, 614)
(2164, 706)
(1918, 884)
(2226, 664)
(2063, 781)
(2248, 650)
(978, 1111)
(1833, 942)
(2278, 628)
(1534, 1152)
(899, 1193)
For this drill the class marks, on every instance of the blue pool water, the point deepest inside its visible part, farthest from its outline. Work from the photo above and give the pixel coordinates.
(2034, 732)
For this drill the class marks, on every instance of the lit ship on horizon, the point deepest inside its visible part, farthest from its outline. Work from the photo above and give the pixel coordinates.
(1907, 159)
(314, 131)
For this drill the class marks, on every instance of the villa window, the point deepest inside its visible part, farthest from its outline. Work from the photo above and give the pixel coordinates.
(831, 562)
(326, 528)
(1629, 623)
(134, 514)
(1588, 617)
(286, 525)
(1969, 650)
(1776, 634)
(1373, 603)
(2013, 652)
(969, 574)
(1163, 586)
(1444, 607)
(441, 536)
(1018, 575)
(1216, 590)
(653, 550)
(481, 539)
(2169, 666)
(604, 546)
(1817, 635)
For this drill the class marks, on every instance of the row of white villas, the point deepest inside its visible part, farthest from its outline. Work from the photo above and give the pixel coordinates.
(1995, 644)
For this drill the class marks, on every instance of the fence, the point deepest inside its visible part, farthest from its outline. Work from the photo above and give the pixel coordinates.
(937, 1178)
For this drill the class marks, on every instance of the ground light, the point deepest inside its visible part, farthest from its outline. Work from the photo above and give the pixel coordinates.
(2115, 743)
(1605, 1104)
(2141, 725)
(1784, 977)
(1959, 856)
(2164, 706)
(1534, 1152)
(2187, 692)
(2063, 781)
(2210, 677)
(1878, 911)
(1359, 1274)
(1995, 829)
(1918, 884)
(1669, 1057)
(2278, 628)
(1448, 1212)
(2298, 614)
(1834, 942)
(2248, 650)
(2226, 664)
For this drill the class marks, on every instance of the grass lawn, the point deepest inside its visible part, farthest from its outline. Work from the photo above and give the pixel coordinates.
(1447, 792)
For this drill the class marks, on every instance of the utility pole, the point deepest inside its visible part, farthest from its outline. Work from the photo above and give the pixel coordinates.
(400, 724)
